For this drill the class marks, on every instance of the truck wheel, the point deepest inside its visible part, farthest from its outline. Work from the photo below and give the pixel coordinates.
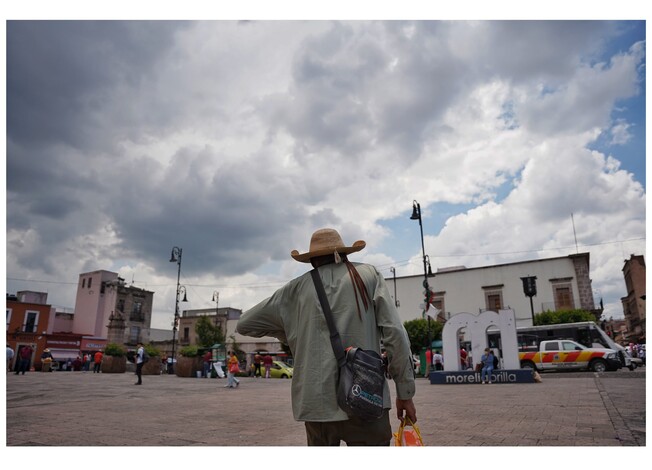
(632, 366)
(598, 365)
(528, 365)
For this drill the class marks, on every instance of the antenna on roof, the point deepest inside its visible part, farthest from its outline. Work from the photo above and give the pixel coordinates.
(574, 234)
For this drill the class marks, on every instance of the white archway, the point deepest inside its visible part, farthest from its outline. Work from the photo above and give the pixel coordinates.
(476, 326)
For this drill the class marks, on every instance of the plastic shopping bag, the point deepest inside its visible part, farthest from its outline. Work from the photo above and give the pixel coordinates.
(408, 435)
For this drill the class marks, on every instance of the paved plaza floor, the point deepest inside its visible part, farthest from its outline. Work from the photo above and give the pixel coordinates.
(87, 409)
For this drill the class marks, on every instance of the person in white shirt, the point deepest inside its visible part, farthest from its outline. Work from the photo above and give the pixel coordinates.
(438, 360)
(10, 356)
(139, 363)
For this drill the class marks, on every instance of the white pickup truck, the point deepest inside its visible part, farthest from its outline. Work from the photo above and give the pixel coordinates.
(565, 354)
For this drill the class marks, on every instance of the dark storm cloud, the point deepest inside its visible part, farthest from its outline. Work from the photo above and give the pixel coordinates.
(61, 76)
(227, 221)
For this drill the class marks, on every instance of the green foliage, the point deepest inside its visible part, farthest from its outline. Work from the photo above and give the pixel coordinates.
(208, 333)
(115, 350)
(417, 331)
(189, 351)
(151, 350)
(562, 316)
(235, 347)
(435, 329)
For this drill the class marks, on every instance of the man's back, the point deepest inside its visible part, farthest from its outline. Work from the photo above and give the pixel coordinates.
(293, 314)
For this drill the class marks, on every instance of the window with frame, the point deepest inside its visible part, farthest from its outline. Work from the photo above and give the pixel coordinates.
(136, 311)
(121, 305)
(494, 300)
(563, 294)
(30, 324)
(134, 334)
(8, 318)
(186, 334)
(568, 346)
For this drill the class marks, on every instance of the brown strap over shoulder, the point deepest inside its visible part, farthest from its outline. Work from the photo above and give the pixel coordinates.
(358, 286)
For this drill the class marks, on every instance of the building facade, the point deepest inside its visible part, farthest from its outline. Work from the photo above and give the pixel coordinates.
(561, 283)
(31, 322)
(28, 324)
(106, 307)
(634, 301)
(227, 318)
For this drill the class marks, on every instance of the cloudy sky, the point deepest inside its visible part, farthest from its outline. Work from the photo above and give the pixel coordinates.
(236, 140)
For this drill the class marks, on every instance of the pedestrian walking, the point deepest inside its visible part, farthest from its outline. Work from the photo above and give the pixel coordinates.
(293, 315)
(487, 365)
(232, 368)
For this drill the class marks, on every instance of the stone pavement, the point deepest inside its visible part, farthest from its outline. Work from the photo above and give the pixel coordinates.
(86, 409)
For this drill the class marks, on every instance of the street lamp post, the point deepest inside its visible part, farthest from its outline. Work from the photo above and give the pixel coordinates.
(416, 215)
(176, 258)
(216, 299)
(396, 302)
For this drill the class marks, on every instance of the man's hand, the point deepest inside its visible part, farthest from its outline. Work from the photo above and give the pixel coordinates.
(406, 408)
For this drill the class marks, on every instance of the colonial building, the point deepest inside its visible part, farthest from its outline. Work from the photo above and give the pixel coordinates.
(31, 322)
(634, 301)
(561, 283)
(106, 307)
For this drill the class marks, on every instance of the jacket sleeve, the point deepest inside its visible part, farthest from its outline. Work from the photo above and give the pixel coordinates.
(395, 340)
(263, 319)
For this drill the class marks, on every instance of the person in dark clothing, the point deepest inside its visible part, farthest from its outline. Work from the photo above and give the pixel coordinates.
(25, 357)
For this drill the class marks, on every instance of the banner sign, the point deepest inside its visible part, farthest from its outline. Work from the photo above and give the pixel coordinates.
(498, 376)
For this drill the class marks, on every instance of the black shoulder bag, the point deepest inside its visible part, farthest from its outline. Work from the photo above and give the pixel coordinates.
(361, 382)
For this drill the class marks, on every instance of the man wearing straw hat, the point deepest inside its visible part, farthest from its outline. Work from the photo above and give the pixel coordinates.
(364, 314)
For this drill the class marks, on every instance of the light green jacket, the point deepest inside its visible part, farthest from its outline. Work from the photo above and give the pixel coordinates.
(294, 316)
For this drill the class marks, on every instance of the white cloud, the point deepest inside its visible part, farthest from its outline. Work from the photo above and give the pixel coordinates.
(237, 140)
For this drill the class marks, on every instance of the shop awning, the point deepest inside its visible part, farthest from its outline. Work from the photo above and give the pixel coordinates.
(64, 354)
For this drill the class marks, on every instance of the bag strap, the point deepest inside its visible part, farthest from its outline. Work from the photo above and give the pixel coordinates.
(336, 341)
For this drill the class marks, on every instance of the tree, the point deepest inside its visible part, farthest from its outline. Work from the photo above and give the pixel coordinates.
(562, 316)
(235, 347)
(417, 331)
(207, 332)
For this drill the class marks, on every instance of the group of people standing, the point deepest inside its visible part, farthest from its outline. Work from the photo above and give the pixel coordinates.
(260, 362)
(486, 366)
(433, 361)
(24, 361)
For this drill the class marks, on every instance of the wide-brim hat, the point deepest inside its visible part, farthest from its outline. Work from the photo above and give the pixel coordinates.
(327, 241)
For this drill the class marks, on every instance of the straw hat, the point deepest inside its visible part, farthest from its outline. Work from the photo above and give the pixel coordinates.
(327, 241)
